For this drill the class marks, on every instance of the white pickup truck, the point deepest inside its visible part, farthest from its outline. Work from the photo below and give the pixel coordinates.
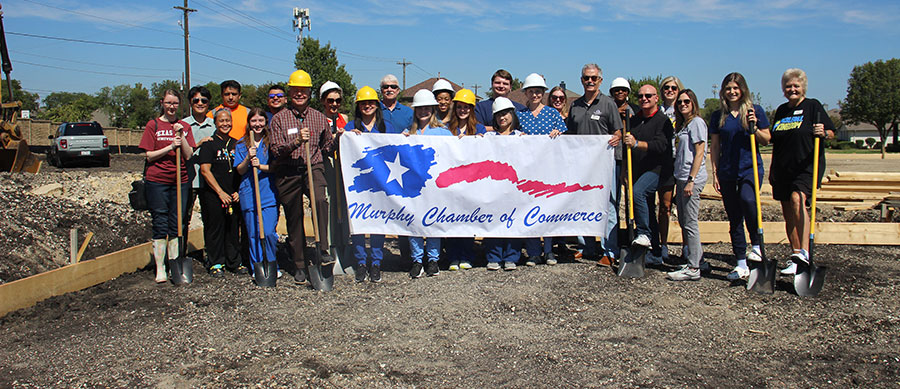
(78, 141)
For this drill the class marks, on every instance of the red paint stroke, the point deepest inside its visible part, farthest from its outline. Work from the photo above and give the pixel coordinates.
(500, 171)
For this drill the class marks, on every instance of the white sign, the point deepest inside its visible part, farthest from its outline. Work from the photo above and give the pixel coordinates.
(490, 186)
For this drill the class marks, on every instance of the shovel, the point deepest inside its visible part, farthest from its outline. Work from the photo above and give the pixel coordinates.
(181, 267)
(265, 273)
(762, 273)
(320, 277)
(809, 279)
(632, 264)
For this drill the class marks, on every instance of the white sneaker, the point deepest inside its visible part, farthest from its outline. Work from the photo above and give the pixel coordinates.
(465, 265)
(279, 274)
(684, 274)
(642, 240)
(790, 269)
(453, 266)
(738, 273)
(754, 255)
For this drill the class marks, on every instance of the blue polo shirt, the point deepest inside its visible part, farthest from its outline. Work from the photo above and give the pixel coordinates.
(548, 119)
(401, 117)
(484, 111)
(735, 161)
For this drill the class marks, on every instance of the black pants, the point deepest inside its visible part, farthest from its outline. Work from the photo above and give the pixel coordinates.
(220, 230)
(292, 184)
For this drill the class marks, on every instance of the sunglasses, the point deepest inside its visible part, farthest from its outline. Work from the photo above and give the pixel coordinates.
(274, 95)
(334, 101)
(620, 90)
(647, 96)
(670, 87)
(390, 87)
(683, 102)
(202, 100)
(591, 78)
(558, 98)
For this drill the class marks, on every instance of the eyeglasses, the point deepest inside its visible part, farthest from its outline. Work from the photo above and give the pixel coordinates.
(390, 87)
(201, 100)
(591, 78)
(274, 95)
(670, 87)
(558, 98)
(647, 96)
(170, 103)
(334, 101)
(683, 102)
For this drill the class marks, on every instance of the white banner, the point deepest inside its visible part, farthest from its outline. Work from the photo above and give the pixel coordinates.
(491, 186)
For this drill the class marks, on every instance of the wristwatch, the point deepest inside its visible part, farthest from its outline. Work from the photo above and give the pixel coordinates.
(690, 179)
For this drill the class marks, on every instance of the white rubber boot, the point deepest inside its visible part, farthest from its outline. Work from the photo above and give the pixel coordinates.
(159, 255)
(173, 248)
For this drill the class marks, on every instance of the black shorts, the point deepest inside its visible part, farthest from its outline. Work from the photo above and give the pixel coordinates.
(785, 183)
(666, 178)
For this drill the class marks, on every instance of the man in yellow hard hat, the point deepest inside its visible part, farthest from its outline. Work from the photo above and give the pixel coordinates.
(290, 129)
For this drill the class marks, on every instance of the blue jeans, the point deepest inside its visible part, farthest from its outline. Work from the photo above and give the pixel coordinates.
(534, 248)
(431, 245)
(161, 199)
(740, 206)
(645, 202)
(461, 249)
(376, 243)
(502, 249)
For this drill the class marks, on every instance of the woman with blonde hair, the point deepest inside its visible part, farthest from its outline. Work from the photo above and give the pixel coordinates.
(732, 165)
(668, 89)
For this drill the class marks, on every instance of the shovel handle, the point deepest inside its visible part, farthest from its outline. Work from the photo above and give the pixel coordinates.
(312, 195)
(259, 218)
(180, 211)
(628, 164)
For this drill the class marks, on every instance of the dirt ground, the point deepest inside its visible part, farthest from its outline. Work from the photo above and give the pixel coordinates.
(571, 325)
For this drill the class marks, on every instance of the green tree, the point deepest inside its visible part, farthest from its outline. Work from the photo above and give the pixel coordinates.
(873, 96)
(216, 94)
(69, 106)
(322, 65)
(636, 85)
(127, 106)
(29, 100)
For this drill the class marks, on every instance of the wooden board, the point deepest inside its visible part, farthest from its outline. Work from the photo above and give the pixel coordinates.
(826, 233)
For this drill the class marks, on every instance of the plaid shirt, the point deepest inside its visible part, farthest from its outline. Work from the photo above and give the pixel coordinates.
(285, 129)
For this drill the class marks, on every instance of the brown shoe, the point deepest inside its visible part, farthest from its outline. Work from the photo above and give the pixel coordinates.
(606, 261)
(578, 255)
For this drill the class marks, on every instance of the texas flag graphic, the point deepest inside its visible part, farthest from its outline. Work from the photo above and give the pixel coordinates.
(396, 170)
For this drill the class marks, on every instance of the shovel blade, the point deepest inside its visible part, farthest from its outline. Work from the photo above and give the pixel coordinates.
(315, 276)
(327, 272)
(187, 269)
(762, 277)
(265, 274)
(809, 280)
(632, 264)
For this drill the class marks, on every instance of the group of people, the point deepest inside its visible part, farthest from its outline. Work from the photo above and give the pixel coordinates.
(293, 150)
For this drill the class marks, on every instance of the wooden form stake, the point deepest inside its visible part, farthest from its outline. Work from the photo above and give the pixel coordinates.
(73, 246)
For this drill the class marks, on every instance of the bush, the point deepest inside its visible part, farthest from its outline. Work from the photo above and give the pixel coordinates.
(860, 144)
(893, 148)
(871, 142)
(844, 145)
(831, 143)
(877, 146)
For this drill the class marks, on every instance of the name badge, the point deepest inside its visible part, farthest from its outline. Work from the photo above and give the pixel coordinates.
(292, 131)
(595, 117)
(798, 112)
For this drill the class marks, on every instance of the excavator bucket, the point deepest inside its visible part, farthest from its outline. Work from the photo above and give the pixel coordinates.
(16, 157)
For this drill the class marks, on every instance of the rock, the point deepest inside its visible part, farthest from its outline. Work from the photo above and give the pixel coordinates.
(49, 190)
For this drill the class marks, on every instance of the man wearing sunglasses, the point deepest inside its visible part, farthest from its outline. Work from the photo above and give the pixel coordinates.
(596, 114)
(501, 85)
(275, 100)
(397, 114)
(231, 99)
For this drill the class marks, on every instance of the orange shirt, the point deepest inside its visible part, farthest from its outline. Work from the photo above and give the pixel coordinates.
(238, 120)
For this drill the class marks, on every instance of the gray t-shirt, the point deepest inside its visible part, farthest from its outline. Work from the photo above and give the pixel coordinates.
(685, 139)
(600, 117)
(200, 130)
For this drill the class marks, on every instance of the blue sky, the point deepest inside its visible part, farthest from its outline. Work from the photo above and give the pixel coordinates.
(463, 40)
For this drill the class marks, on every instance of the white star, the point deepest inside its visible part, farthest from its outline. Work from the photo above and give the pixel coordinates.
(396, 170)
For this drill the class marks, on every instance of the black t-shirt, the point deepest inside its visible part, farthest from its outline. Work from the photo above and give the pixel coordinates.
(219, 152)
(792, 137)
(656, 130)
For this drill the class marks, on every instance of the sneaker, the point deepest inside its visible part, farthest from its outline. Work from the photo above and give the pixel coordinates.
(605, 261)
(278, 275)
(754, 255)
(738, 273)
(653, 260)
(432, 269)
(686, 273)
(416, 271)
(493, 266)
(579, 255)
(641, 240)
(300, 277)
(240, 269)
(791, 267)
(551, 259)
(375, 273)
(509, 265)
(465, 265)
(361, 273)
(454, 266)
(216, 271)
(531, 261)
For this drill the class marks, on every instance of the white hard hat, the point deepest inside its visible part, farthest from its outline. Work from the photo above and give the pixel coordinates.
(500, 104)
(620, 82)
(423, 98)
(442, 84)
(327, 86)
(534, 80)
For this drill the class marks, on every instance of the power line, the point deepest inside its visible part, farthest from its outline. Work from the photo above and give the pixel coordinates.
(246, 24)
(249, 16)
(235, 63)
(90, 71)
(92, 63)
(426, 72)
(92, 42)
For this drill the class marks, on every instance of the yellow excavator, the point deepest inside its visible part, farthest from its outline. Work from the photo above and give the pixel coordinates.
(14, 153)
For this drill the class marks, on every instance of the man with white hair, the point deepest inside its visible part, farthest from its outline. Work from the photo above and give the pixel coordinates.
(397, 114)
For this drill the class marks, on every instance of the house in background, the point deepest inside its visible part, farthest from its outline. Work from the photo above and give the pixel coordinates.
(407, 95)
(518, 95)
(856, 132)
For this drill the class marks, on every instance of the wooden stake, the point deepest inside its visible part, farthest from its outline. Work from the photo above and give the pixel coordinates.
(87, 239)
(73, 246)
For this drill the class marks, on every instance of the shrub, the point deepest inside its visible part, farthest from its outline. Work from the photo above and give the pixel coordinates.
(860, 143)
(844, 145)
(893, 148)
(870, 142)
(877, 145)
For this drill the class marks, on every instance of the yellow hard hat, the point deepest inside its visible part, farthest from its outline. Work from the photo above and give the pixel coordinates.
(366, 93)
(300, 78)
(466, 96)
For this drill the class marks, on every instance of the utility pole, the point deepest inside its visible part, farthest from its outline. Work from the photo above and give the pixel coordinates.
(187, 49)
(476, 86)
(404, 64)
